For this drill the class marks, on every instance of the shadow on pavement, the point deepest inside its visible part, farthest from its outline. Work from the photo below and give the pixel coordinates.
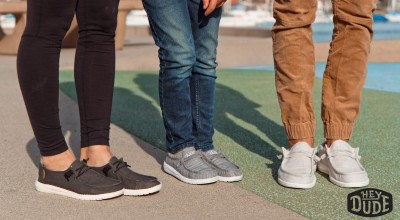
(68, 116)
(142, 118)
(232, 102)
(132, 113)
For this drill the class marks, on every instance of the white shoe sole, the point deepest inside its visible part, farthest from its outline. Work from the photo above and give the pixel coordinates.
(298, 185)
(230, 179)
(170, 170)
(324, 169)
(142, 192)
(46, 188)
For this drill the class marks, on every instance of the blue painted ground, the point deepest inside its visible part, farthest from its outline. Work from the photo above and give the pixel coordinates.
(381, 76)
(322, 32)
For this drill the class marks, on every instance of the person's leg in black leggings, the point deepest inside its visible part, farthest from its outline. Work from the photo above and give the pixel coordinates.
(94, 75)
(38, 65)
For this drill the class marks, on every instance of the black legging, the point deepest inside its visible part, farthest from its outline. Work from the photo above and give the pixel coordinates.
(38, 68)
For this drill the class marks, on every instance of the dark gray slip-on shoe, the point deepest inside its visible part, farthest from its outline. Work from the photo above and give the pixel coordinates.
(135, 184)
(79, 182)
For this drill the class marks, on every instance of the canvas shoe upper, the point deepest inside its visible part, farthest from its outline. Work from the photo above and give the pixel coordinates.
(342, 163)
(189, 167)
(227, 171)
(298, 166)
(135, 184)
(79, 182)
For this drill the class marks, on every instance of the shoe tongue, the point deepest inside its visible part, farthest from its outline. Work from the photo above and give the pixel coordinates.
(187, 152)
(341, 146)
(301, 147)
(113, 160)
(77, 164)
(211, 152)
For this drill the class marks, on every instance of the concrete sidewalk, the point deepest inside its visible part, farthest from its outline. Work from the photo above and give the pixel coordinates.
(20, 158)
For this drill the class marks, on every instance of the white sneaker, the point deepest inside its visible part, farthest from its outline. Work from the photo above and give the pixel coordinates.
(298, 167)
(342, 163)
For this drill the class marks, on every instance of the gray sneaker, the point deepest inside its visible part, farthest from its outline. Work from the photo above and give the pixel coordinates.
(227, 171)
(189, 167)
(298, 167)
(342, 163)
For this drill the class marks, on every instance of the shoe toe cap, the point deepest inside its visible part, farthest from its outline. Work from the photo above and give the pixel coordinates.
(230, 173)
(359, 177)
(300, 178)
(204, 174)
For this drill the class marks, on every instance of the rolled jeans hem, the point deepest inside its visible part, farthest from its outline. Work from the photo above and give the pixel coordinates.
(180, 147)
(300, 130)
(204, 147)
(338, 130)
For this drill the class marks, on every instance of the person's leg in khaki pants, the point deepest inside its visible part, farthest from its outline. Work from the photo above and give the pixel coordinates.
(342, 84)
(347, 67)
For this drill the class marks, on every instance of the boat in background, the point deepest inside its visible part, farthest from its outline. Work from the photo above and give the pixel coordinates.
(248, 14)
(393, 16)
(7, 21)
(137, 18)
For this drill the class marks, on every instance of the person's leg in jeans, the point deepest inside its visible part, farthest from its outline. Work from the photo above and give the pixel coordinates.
(202, 86)
(171, 26)
(38, 64)
(343, 81)
(202, 82)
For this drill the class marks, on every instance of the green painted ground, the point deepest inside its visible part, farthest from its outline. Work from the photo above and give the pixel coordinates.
(249, 131)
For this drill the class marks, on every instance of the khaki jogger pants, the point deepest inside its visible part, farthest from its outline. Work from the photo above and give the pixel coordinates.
(345, 70)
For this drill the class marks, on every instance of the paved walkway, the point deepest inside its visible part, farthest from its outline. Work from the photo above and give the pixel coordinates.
(19, 158)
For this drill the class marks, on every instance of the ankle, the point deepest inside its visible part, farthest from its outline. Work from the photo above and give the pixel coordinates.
(97, 155)
(59, 162)
(309, 141)
(329, 142)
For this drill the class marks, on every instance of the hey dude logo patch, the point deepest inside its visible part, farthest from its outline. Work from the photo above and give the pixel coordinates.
(370, 202)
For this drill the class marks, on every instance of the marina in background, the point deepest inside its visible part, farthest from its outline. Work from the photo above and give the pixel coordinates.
(257, 13)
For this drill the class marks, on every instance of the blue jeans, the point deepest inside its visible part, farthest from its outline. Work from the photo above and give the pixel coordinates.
(187, 42)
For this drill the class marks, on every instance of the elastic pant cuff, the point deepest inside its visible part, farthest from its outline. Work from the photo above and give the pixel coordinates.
(338, 130)
(301, 130)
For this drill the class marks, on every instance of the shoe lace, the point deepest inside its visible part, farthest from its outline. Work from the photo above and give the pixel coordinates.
(217, 154)
(194, 155)
(344, 153)
(80, 171)
(313, 156)
(120, 164)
